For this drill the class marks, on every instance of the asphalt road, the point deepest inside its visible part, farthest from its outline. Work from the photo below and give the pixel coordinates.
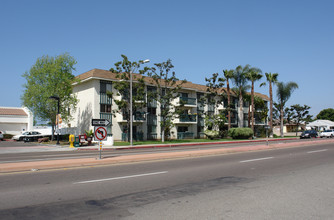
(15, 157)
(293, 183)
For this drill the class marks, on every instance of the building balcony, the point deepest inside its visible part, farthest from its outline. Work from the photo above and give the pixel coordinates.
(104, 115)
(151, 119)
(200, 107)
(185, 135)
(152, 136)
(105, 99)
(138, 136)
(187, 102)
(233, 120)
(152, 103)
(186, 119)
(211, 108)
(138, 117)
(201, 121)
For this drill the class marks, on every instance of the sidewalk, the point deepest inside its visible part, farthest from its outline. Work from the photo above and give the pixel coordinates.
(71, 163)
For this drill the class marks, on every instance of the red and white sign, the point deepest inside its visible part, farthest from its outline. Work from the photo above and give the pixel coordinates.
(100, 133)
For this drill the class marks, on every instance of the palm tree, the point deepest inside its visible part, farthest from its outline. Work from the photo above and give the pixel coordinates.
(271, 78)
(240, 81)
(245, 97)
(253, 75)
(283, 92)
(228, 74)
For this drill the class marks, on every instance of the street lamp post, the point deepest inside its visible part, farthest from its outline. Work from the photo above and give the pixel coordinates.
(131, 111)
(57, 98)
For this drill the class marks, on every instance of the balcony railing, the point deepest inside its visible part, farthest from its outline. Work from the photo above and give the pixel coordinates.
(105, 99)
(200, 107)
(152, 136)
(138, 136)
(233, 120)
(211, 108)
(139, 116)
(106, 116)
(188, 118)
(151, 119)
(152, 103)
(188, 101)
(201, 121)
(185, 135)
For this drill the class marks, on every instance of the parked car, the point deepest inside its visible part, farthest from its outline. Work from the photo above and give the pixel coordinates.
(309, 134)
(28, 136)
(327, 133)
(1, 136)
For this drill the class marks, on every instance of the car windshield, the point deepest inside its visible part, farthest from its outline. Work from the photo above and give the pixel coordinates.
(25, 133)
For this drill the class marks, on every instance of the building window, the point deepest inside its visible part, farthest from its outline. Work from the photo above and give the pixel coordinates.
(105, 86)
(182, 129)
(105, 108)
(184, 95)
(152, 111)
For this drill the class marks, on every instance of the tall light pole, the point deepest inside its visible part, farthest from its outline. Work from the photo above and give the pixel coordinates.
(56, 98)
(131, 112)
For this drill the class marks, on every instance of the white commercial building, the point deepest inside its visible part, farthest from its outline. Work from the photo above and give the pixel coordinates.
(15, 120)
(95, 104)
(320, 125)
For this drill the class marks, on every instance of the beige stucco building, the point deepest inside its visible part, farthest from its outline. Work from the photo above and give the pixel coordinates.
(95, 104)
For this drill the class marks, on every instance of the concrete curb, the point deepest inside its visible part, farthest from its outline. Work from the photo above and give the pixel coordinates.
(72, 163)
(181, 144)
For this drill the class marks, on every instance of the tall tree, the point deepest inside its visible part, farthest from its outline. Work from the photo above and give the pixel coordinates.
(228, 74)
(326, 114)
(245, 97)
(300, 113)
(240, 81)
(214, 97)
(253, 75)
(50, 76)
(123, 70)
(271, 78)
(283, 92)
(168, 87)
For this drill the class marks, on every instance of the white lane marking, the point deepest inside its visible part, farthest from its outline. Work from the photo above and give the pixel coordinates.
(121, 177)
(316, 151)
(264, 158)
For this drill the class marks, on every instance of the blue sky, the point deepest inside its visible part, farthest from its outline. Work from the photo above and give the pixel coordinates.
(292, 38)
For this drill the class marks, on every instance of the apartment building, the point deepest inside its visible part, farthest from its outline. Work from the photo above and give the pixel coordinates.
(94, 103)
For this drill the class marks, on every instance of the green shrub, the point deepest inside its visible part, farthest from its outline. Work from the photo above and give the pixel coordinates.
(211, 134)
(240, 133)
(223, 134)
(275, 135)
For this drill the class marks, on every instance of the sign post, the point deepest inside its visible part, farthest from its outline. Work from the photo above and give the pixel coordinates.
(100, 133)
(100, 149)
(267, 127)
